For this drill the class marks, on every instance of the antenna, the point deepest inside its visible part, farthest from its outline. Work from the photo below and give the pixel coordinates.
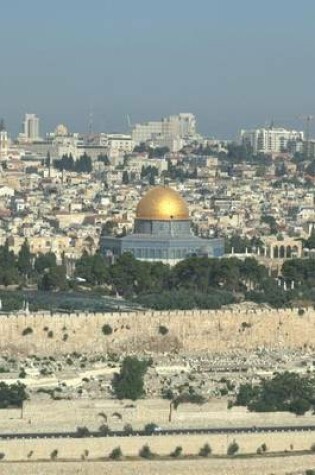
(90, 123)
(129, 124)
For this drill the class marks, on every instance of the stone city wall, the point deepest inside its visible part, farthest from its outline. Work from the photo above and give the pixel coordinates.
(196, 332)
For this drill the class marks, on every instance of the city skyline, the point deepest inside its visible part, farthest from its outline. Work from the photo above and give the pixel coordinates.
(228, 65)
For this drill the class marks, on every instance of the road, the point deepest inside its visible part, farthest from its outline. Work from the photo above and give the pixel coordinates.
(159, 433)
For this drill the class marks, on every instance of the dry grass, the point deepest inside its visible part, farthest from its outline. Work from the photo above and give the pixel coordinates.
(276, 466)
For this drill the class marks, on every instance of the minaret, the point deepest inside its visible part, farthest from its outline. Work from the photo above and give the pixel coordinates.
(3, 141)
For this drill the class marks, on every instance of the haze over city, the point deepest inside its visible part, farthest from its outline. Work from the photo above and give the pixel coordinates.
(157, 237)
(232, 64)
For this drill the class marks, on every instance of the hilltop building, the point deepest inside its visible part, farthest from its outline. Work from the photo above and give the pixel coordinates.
(162, 232)
(270, 139)
(168, 132)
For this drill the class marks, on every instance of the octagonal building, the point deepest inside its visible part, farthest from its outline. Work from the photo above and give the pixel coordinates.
(162, 231)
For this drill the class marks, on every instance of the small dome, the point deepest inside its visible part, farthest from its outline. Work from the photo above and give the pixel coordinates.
(61, 130)
(162, 204)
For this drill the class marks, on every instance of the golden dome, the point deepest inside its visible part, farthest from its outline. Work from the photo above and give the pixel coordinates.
(162, 204)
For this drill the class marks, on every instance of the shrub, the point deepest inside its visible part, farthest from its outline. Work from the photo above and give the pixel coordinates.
(104, 429)
(191, 398)
(146, 453)
(22, 373)
(230, 404)
(85, 454)
(163, 330)
(50, 334)
(116, 454)
(107, 329)
(54, 454)
(264, 447)
(27, 331)
(167, 394)
(245, 325)
(177, 452)
(313, 447)
(128, 429)
(150, 428)
(83, 431)
(205, 451)
(233, 448)
(2, 455)
(29, 455)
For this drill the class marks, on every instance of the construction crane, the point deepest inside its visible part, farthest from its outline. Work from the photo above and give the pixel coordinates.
(90, 123)
(308, 119)
(129, 124)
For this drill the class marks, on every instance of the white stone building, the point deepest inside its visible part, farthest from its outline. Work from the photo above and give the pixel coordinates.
(270, 139)
(30, 128)
(181, 126)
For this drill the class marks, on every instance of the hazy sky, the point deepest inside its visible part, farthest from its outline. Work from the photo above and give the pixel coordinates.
(234, 63)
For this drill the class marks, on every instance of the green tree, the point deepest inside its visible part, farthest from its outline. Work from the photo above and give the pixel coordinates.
(310, 242)
(104, 159)
(270, 220)
(83, 164)
(233, 448)
(54, 279)
(116, 454)
(150, 428)
(54, 454)
(93, 268)
(129, 383)
(177, 452)
(284, 392)
(83, 432)
(125, 178)
(12, 395)
(48, 160)
(9, 273)
(146, 452)
(24, 261)
(45, 262)
(205, 451)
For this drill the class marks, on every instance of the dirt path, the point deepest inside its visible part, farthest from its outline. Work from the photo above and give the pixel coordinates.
(275, 466)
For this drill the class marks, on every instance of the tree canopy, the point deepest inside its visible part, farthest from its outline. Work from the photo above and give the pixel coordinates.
(12, 395)
(284, 392)
(129, 383)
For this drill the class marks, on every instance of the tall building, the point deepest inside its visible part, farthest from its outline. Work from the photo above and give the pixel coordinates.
(181, 126)
(31, 127)
(162, 232)
(270, 139)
